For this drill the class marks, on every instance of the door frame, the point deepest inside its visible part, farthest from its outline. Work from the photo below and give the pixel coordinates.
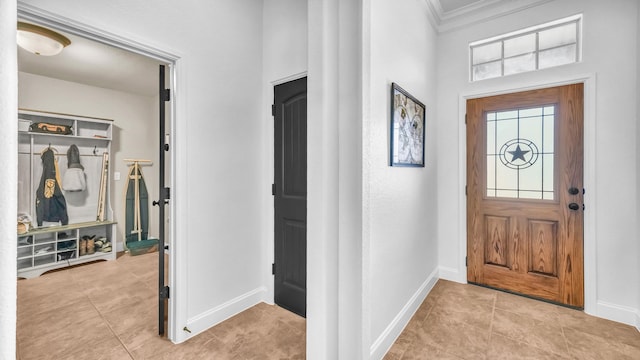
(590, 255)
(177, 314)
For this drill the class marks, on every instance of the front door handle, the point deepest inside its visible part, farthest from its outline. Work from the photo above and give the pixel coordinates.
(574, 206)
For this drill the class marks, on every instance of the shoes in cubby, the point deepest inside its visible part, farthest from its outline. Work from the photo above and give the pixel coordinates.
(91, 247)
(83, 246)
(103, 244)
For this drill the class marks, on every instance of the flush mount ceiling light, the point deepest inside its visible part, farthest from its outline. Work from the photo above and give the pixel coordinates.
(39, 40)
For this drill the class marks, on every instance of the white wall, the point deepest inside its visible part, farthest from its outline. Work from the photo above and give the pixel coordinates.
(401, 203)
(217, 193)
(9, 161)
(609, 54)
(284, 54)
(135, 130)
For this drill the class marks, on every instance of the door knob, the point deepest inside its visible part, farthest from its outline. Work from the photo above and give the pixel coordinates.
(574, 206)
(574, 191)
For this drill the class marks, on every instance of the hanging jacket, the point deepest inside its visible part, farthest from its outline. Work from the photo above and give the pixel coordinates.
(73, 179)
(50, 203)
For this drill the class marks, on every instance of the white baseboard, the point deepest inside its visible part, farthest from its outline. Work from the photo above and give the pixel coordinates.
(638, 320)
(384, 342)
(452, 274)
(220, 313)
(619, 313)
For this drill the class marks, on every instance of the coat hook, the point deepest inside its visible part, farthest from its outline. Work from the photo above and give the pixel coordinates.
(95, 150)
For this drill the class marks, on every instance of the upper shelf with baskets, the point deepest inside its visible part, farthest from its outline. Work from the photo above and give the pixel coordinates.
(53, 124)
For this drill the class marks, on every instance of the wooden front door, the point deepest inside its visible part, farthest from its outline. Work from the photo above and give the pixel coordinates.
(525, 193)
(290, 195)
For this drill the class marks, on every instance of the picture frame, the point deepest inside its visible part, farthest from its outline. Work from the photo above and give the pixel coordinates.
(407, 129)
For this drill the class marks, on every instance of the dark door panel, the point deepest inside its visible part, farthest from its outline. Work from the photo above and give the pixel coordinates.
(290, 172)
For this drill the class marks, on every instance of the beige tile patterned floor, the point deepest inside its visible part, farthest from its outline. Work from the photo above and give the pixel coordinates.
(470, 322)
(107, 310)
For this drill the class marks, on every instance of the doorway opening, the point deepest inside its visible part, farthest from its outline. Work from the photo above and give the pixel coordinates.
(100, 75)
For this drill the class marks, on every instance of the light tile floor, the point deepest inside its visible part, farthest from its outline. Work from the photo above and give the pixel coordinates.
(107, 310)
(470, 322)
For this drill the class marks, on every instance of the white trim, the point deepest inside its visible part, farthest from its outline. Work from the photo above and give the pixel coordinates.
(638, 320)
(590, 256)
(58, 22)
(478, 12)
(384, 342)
(289, 78)
(222, 312)
(452, 274)
(622, 314)
(176, 66)
(178, 209)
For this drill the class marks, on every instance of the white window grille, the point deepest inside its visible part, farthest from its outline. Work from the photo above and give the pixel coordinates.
(543, 46)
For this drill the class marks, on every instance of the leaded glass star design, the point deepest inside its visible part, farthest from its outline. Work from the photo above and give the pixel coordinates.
(518, 153)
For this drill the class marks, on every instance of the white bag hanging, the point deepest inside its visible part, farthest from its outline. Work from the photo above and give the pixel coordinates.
(74, 178)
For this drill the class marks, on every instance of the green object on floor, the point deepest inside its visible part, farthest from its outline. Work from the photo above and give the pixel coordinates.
(136, 206)
(137, 214)
(143, 246)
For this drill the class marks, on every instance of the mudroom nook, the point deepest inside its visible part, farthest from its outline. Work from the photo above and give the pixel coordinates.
(66, 214)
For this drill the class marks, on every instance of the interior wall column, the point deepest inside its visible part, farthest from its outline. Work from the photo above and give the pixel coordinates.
(322, 181)
(334, 212)
(351, 296)
(9, 161)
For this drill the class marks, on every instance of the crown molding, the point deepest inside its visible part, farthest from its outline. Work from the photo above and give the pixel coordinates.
(474, 13)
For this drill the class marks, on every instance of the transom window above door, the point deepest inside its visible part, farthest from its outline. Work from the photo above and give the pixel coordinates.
(543, 46)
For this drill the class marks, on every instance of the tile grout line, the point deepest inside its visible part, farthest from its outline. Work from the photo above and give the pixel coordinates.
(493, 314)
(536, 322)
(109, 325)
(566, 341)
(413, 340)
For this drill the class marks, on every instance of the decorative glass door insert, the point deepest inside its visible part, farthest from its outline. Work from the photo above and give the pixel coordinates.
(520, 153)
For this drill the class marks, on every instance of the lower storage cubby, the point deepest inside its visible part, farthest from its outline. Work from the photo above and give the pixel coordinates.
(25, 263)
(44, 238)
(44, 249)
(66, 255)
(67, 245)
(26, 251)
(94, 240)
(44, 259)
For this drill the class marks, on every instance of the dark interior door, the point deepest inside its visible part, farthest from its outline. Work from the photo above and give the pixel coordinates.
(163, 196)
(290, 192)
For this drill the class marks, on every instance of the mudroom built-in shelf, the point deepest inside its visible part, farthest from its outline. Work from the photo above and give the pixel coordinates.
(53, 246)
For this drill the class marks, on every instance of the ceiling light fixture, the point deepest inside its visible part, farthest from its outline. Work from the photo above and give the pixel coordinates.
(39, 40)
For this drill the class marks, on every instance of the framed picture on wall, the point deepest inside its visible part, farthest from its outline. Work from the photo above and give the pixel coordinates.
(407, 129)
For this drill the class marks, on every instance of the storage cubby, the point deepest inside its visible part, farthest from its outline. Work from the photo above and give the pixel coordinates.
(50, 247)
